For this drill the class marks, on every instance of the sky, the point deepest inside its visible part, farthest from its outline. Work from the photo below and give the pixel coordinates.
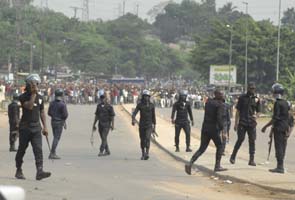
(109, 9)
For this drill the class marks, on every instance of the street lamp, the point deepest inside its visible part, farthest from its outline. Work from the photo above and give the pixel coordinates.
(230, 55)
(31, 54)
(246, 48)
(278, 48)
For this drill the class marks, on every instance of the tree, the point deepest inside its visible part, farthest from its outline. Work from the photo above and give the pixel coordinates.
(288, 19)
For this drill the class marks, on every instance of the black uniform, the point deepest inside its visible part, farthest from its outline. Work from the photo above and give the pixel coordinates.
(13, 115)
(146, 123)
(105, 114)
(212, 125)
(58, 112)
(30, 130)
(248, 105)
(183, 110)
(281, 127)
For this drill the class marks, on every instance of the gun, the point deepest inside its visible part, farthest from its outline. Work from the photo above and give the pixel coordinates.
(270, 143)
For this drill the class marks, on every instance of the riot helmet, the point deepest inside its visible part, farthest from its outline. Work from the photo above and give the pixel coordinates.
(59, 93)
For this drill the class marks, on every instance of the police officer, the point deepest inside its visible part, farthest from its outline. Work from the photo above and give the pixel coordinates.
(280, 125)
(212, 125)
(245, 121)
(30, 128)
(13, 115)
(58, 112)
(182, 109)
(105, 115)
(147, 122)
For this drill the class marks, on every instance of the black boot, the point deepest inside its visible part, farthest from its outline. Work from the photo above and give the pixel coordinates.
(232, 159)
(41, 174)
(19, 174)
(188, 168)
(188, 149)
(217, 167)
(100, 154)
(280, 168)
(12, 148)
(53, 156)
(142, 154)
(146, 157)
(107, 153)
(251, 161)
(177, 148)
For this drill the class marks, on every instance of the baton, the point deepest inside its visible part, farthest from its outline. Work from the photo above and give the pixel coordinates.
(270, 143)
(48, 144)
(92, 138)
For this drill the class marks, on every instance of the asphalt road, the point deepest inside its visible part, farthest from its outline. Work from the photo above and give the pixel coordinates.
(80, 174)
(261, 142)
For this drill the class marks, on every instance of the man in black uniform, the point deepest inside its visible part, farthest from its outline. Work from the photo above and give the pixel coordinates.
(212, 125)
(183, 109)
(58, 112)
(13, 115)
(245, 121)
(226, 125)
(280, 126)
(30, 128)
(147, 122)
(105, 115)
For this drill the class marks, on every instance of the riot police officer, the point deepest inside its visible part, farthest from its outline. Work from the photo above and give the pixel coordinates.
(147, 122)
(105, 115)
(226, 125)
(212, 125)
(30, 128)
(248, 107)
(58, 112)
(13, 115)
(183, 109)
(280, 126)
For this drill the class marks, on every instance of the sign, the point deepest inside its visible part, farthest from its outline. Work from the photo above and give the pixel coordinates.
(221, 74)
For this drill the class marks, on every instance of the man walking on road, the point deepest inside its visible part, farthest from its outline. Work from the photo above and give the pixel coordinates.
(183, 109)
(147, 122)
(105, 115)
(212, 125)
(280, 125)
(30, 128)
(13, 115)
(245, 121)
(58, 112)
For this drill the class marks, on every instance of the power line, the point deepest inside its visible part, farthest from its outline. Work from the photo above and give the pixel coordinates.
(85, 10)
(75, 9)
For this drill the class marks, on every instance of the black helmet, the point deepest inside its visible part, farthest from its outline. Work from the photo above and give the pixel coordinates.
(278, 89)
(59, 94)
(15, 96)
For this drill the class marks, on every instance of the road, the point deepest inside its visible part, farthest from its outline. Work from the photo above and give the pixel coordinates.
(261, 142)
(80, 174)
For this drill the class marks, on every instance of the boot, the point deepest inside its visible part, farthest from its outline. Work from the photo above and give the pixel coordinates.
(188, 149)
(41, 174)
(177, 149)
(280, 168)
(146, 157)
(12, 148)
(217, 167)
(19, 174)
(100, 154)
(142, 154)
(107, 153)
(53, 156)
(251, 161)
(232, 159)
(188, 168)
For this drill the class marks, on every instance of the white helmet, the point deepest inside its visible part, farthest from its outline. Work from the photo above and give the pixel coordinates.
(146, 92)
(33, 78)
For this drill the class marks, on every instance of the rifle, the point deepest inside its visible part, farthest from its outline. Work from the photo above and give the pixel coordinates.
(270, 142)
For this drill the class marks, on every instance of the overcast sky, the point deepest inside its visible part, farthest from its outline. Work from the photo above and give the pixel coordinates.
(109, 9)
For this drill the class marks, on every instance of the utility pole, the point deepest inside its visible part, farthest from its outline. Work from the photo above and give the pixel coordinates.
(44, 4)
(279, 38)
(75, 9)
(246, 49)
(18, 6)
(124, 4)
(137, 9)
(85, 10)
(230, 55)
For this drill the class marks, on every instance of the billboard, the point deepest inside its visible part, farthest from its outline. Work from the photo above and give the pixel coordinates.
(221, 74)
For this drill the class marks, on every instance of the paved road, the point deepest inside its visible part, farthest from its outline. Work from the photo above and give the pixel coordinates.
(80, 174)
(261, 143)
